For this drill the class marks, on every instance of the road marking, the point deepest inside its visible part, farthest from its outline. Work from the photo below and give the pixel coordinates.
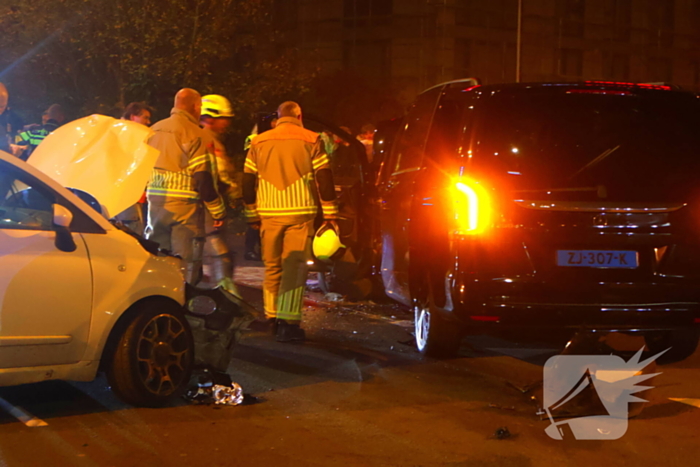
(22, 415)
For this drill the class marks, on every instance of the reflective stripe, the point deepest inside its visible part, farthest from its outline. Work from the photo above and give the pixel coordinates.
(289, 304)
(172, 194)
(321, 161)
(329, 209)
(216, 208)
(297, 198)
(251, 212)
(270, 304)
(173, 190)
(33, 138)
(176, 182)
(250, 165)
(287, 211)
(204, 159)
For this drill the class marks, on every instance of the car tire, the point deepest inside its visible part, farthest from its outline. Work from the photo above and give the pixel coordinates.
(153, 356)
(435, 336)
(681, 344)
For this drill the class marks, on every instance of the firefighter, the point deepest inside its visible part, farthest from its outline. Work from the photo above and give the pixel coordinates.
(182, 184)
(215, 119)
(286, 171)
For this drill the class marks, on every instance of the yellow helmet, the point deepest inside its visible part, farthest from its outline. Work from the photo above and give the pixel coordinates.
(214, 105)
(326, 243)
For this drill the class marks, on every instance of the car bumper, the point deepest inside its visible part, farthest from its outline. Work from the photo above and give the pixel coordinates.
(510, 303)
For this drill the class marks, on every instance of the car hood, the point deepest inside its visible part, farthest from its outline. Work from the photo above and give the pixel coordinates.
(105, 157)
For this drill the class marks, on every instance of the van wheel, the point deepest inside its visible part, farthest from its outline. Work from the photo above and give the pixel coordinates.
(153, 357)
(435, 336)
(681, 344)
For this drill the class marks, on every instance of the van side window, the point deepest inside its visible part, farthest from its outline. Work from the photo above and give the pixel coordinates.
(408, 152)
(449, 124)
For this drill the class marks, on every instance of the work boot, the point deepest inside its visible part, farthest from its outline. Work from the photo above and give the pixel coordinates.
(289, 332)
(269, 325)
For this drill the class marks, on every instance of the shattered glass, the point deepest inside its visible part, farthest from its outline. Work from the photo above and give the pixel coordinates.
(215, 388)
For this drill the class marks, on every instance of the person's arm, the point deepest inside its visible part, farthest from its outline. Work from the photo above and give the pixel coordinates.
(324, 181)
(250, 180)
(21, 145)
(227, 183)
(201, 167)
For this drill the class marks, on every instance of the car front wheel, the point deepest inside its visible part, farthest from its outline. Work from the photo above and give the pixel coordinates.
(153, 357)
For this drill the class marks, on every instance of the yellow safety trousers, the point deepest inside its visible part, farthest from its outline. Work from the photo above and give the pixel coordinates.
(286, 248)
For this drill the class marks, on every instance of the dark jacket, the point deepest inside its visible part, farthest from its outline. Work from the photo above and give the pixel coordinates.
(10, 125)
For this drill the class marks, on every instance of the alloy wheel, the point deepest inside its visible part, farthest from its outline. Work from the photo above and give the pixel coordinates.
(161, 353)
(422, 326)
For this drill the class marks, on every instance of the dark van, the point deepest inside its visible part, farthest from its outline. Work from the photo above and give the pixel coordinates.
(561, 206)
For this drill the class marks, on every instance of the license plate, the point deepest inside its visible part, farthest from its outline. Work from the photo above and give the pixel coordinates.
(598, 258)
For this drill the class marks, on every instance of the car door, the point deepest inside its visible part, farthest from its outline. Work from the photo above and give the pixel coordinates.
(45, 293)
(396, 187)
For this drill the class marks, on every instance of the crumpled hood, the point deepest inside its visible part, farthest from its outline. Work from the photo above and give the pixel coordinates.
(103, 156)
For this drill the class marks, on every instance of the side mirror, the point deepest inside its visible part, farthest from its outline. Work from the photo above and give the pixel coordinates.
(62, 218)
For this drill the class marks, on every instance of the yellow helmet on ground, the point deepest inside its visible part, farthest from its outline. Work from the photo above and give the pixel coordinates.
(326, 242)
(214, 105)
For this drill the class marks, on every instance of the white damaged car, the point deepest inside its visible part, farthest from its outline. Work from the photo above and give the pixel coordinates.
(77, 294)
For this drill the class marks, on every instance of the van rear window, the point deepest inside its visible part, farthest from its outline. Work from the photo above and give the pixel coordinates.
(620, 146)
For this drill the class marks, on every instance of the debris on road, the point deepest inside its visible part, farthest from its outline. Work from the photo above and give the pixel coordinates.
(215, 388)
(502, 433)
(228, 395)
(333, 297)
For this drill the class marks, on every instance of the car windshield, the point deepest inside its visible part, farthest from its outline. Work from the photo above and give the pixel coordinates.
(616, 146)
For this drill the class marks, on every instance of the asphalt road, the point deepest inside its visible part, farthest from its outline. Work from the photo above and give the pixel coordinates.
(357, 393)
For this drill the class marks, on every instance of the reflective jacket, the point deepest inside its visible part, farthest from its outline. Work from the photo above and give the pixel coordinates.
(225, 175)
(184, 151)
(285, 160)
(33, 136)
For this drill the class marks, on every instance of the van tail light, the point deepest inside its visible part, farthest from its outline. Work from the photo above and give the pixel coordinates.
(472, 207)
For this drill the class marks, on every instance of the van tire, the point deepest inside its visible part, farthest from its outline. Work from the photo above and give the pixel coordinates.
(435, 336)
(681, 344)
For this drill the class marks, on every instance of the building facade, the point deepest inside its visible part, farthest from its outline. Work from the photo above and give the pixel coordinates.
(414, 44)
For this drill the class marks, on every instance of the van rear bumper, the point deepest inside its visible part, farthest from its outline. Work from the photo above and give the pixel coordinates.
(623, 307)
